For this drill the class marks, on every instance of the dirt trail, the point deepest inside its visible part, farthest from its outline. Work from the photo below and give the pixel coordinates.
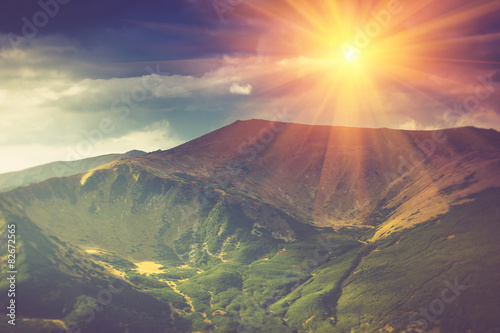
(173, 285)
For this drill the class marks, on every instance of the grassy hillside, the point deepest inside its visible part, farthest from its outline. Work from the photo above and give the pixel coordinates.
(158, 244)
(39, 173)
(60, 286)
(222, 269)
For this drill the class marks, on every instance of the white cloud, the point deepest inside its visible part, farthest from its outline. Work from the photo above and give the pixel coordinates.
(240, 90)
(22, 156)
(150, 138)
(482, 118)
(46, 106)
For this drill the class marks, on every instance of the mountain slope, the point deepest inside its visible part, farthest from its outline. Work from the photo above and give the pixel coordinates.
(60, 287)
(39, 173)
(337, 176)
(211, 237)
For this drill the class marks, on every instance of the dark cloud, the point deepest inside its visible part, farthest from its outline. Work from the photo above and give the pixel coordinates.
(119, 30)
(63, 81)
(78, 17)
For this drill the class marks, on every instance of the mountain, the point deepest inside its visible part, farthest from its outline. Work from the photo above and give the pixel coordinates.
(39, 173)
(338, 176)
(267, 227)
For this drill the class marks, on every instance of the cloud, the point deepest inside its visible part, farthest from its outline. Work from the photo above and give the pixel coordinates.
(50, 99)
(238, 89)
(149, 138)
(482, 118)
(158, 135)
(46, 108)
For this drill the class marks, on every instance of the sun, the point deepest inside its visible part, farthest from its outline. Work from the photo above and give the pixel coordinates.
(364, 64)
(351, 55)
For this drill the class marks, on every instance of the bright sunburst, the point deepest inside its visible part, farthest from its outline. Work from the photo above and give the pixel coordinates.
(350, 55)
(376, 55)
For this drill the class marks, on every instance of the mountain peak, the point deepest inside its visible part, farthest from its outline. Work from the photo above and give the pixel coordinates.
(334, 176)
(218, 219)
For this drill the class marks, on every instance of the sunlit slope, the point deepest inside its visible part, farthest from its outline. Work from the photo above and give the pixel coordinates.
(402, 283)
(337, 176)
(140, 215)
(211, 255)
(321, 282)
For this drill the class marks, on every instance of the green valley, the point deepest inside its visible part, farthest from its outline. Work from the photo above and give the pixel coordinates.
(134, 246)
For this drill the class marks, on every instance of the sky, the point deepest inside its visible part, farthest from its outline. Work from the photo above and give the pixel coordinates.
(85, 78)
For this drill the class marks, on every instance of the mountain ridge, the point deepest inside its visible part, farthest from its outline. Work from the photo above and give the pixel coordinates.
(11, 180)
(400, 158)
(211, 235)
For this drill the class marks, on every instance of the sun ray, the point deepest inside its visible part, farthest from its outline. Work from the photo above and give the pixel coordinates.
(332, 79)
